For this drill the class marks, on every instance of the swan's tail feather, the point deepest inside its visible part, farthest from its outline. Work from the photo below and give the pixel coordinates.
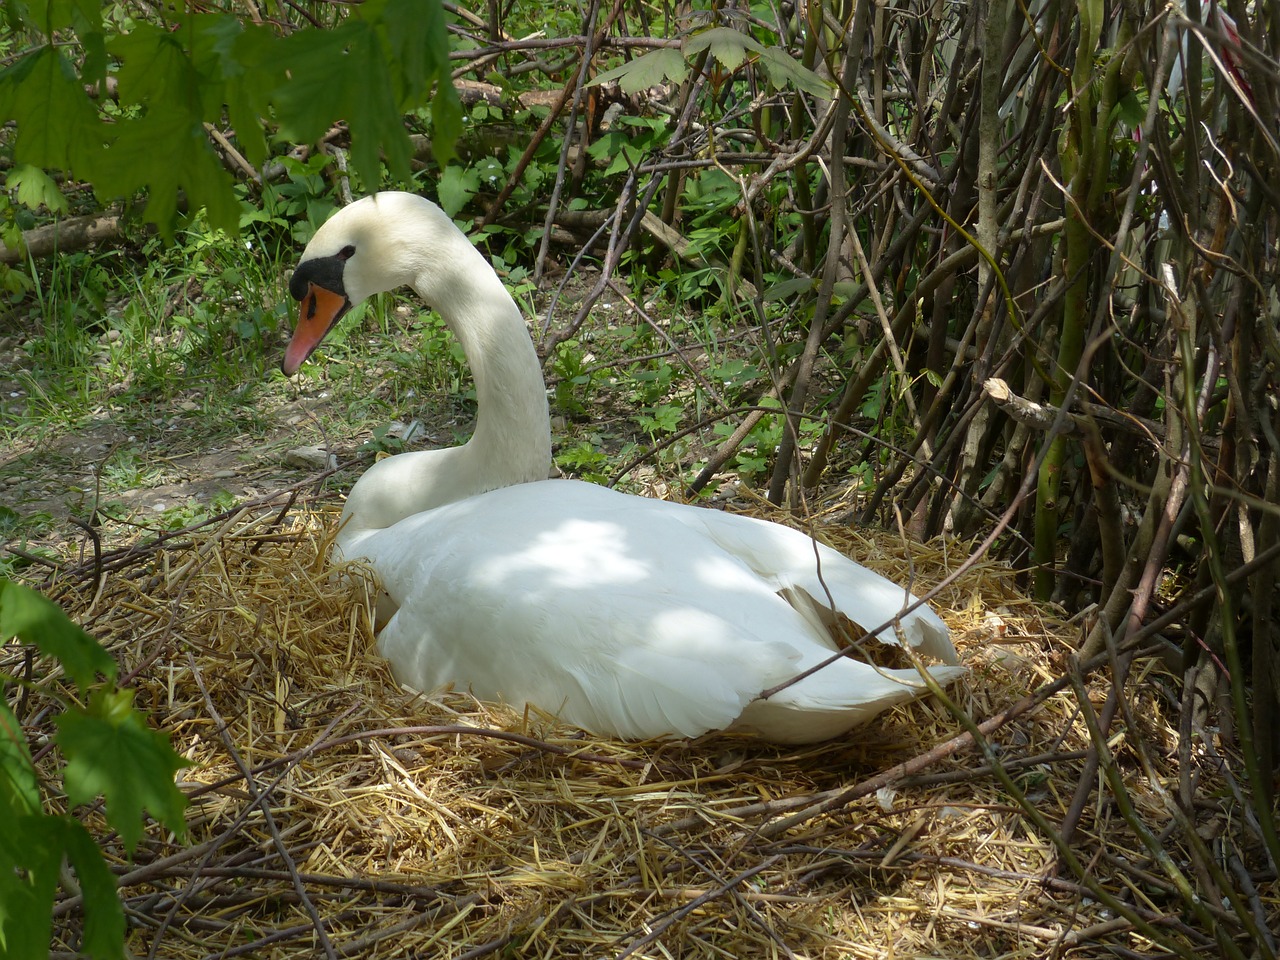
(819, 582)
(837, 699)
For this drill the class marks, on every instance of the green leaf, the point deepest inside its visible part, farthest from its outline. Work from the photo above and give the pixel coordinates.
(103, 935)
(154, 67)
(19, 793)
(409, 26)
(386, 58)
(235, 65)
(446, 107)
(446, 122)
(647, 71)
(627, 158)
(727, 46)
(81, 15)
(786, 288)
(36, 619)
(416, 36)
(35, 188)
(784, 69)
(456, 188)
(250, 71)
(307, 105)
(111, 751)
(30, 856)
(57, 126)
(607, 144)
(1131, 110)
(190, 167)
(342, 75)
(373, 117)
(85, 18)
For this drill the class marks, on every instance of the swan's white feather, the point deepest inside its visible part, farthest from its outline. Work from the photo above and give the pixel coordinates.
(634, 617)
(623, 615)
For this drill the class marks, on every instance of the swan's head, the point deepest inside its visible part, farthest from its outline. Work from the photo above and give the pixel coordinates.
(376, 244)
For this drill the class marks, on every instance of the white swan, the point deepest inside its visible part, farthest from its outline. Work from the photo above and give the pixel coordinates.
(625, 616)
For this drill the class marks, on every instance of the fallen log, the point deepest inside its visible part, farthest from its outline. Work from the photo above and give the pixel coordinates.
(64, 236)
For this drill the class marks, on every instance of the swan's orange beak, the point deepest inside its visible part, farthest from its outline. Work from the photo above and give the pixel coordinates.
(318, 311)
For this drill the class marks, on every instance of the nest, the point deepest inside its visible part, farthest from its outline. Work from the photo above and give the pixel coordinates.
(335, 814)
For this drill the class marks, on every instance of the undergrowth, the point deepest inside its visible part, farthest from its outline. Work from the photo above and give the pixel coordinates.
(128, 360)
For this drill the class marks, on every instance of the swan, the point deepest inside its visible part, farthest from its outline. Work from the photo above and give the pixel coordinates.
(626, 616)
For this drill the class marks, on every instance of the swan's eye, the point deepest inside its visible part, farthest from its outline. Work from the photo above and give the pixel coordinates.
(347, 252)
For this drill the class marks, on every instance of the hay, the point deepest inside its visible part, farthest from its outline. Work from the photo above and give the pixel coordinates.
(334, 814)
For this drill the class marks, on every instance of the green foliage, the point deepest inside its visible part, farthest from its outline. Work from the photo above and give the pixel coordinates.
(584, 459)
(456, 188)
(293, 208)
(573, 379)
(110, 751)
(730, 48)
(29, 616)
(650, 383)
(661, 419)
(650, 70)
(628, 142)
(34, 188)
(755, 452)
(197, 68)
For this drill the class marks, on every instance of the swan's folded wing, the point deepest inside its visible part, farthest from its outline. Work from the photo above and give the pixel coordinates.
(628, 624)
(792, 560)
(624, 616)
(638, 669)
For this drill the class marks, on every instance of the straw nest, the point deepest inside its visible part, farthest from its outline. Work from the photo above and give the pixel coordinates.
(335, 814)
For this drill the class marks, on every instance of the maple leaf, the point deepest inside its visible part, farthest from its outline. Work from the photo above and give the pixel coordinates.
(154, 67)
(19, 792)
(784, 69)
(648, 71)
(103, 934)
(35, 188)
(408, 34)
(243, 59)
(111, 751)
(55, 121)
(189, 166)
(26, 614)
(386, 58)
(31, 853)
(728, 46)
(30, 856)
(342, 75)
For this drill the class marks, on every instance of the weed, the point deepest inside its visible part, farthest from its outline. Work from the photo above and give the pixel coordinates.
(584, 459)
(662, 419)
(573, 378)
(184, 515)
(129, 469)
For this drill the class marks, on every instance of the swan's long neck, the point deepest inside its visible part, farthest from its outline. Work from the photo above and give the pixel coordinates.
(512, 439)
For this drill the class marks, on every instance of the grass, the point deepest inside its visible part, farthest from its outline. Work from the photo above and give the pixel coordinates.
(155, 367)
(124, 361)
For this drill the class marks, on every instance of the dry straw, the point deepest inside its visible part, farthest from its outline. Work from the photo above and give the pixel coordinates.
(334, 814)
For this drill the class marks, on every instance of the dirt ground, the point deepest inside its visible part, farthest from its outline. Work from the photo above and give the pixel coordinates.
(121, 470)
(127, 468)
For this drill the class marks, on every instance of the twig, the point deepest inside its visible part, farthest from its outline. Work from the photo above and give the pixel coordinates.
(234, 155)
(694, 904)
